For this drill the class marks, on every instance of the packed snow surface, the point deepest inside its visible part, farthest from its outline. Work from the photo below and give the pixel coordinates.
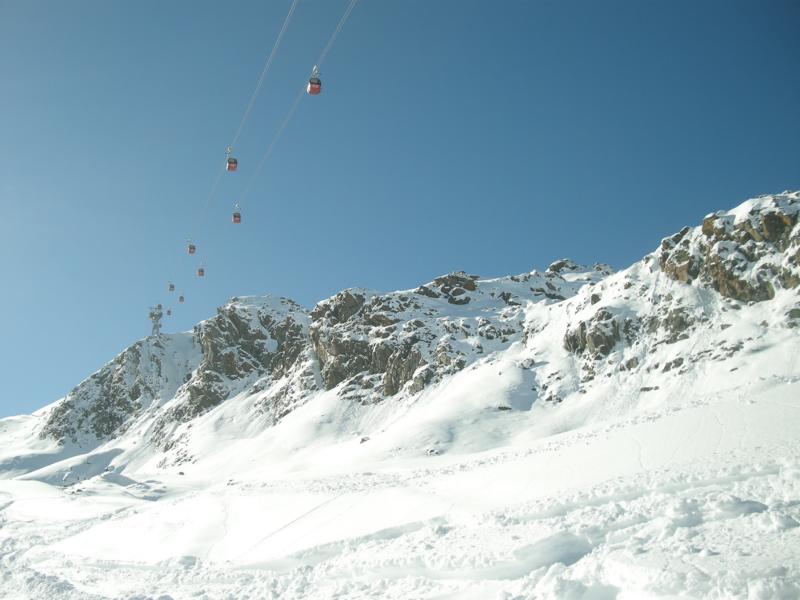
(664, 466)
(700, 499)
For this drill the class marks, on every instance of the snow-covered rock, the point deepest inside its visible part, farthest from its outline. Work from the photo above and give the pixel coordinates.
(570, 433)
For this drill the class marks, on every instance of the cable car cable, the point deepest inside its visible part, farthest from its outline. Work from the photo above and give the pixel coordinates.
(296, 102)
(272, 144)
(267, 65)
(265, 69)
(201, 215)
(248, 109)
(333, 37)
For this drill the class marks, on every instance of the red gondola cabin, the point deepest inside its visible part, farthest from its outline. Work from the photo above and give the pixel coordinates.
(314, 83)
(314, 86)
(232, 164)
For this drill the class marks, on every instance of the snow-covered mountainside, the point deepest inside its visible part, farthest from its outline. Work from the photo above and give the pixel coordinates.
(570, 433)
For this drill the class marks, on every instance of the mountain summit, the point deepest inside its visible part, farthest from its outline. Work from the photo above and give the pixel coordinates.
(631, 393)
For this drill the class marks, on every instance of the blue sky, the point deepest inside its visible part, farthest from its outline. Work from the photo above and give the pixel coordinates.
(488, 136)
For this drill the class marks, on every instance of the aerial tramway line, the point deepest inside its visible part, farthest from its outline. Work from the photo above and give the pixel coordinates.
(231, 165)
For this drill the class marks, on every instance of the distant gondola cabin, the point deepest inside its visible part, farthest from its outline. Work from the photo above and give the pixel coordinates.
(233, 164)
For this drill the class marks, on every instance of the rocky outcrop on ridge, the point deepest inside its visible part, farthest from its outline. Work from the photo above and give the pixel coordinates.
(743, 254)
(146, 374)
(184, 375)
(377, 345)
(368, 347)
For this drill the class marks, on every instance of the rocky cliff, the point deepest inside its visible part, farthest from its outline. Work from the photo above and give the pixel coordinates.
(574, 325)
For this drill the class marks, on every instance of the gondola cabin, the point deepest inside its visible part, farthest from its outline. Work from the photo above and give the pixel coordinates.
(232, 165)
(314, 86)
(236, 217)
(191, 248)
(171, 287)
(180, 299)
(169, 312)
(201, 272)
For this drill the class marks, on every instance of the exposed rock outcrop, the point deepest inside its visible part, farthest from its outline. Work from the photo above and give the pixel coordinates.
(743, 254)
(248, 345)
(107, 402)
(369, 346)
(378, 345)
(596, 336)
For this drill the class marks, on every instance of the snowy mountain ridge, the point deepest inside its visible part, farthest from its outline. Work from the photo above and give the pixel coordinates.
(567, 431)
(367, 345)
(371, 346)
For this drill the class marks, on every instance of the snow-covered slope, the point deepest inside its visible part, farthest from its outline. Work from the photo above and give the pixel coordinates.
(572, 433)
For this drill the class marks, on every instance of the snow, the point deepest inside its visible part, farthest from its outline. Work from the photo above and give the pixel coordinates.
(21, 451)
(675, 477)
(785, 202)
(693, 501)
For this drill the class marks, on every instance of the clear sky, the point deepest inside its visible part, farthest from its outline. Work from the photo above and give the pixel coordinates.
(493, 136)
